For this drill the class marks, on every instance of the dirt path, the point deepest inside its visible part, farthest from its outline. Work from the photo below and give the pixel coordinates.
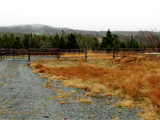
(23, 96)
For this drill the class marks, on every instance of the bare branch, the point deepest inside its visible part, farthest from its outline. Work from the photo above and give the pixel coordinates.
(150, 39)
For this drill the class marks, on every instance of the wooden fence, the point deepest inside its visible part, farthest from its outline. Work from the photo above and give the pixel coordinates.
(74, 53)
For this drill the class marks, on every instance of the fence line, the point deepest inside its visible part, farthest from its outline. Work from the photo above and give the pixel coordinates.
(74, 53)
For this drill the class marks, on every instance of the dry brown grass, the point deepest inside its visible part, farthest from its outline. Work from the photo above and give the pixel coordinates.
(90, 54)
(97, 54)
(136, 77)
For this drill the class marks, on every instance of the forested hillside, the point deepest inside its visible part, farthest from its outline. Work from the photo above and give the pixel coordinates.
(66, 41)
(41, 36)
(44, 29)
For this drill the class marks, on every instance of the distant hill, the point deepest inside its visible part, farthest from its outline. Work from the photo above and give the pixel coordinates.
(44, 29)
(41, 29)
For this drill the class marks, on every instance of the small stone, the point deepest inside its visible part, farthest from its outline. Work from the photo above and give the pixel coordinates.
(73, 92)
(120, 111)
(46, 116)
(91, 116)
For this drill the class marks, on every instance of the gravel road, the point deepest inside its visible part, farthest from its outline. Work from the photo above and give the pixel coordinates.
(23, 96)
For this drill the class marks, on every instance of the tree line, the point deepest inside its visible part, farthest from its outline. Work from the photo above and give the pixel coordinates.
(71, 41)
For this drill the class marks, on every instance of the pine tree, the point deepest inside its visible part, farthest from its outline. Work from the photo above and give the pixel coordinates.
(5, 40)
(110, 41)
(17, 44)
(11, 39)
(72, 43)
(95, 43)
(8, 43)
(38, 41)
(116, 43)
(123, 45)
(26, 41)
(107, 40)
(55, 41)
(0, 42)
(33, 43)
(62, 44)
(132, 43)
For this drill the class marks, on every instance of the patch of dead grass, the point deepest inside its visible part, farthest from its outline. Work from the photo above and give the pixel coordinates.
(137, 77)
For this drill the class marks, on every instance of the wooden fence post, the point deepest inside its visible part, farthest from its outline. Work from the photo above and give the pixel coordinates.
(9, 51)
(29, 55)
(86, 54)
(13, 54)
(58, 53)
(114, 53)
(1, 53)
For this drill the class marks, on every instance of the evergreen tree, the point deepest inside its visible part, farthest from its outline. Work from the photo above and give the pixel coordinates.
(5, 40)
(110, 41)
(8, 43)
(11, 39)
(55, 41)
(33, 43)
(95, 43)
(116, 43)
(47, 41)
(12, 36)
(63, 33)
(132, 43)
(72, 43)
(38, 41)
(62, 44)
(26, 41)
(0, 42)
(44, 38)
(123, 45)
(107, 40)
(17, 44)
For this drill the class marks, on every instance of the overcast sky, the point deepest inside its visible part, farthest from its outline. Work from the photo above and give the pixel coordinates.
(83, 14)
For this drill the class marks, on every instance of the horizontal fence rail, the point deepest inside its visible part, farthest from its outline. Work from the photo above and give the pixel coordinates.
(77, 53)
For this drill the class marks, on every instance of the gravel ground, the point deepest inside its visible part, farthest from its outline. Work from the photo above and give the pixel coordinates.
(23, 96)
